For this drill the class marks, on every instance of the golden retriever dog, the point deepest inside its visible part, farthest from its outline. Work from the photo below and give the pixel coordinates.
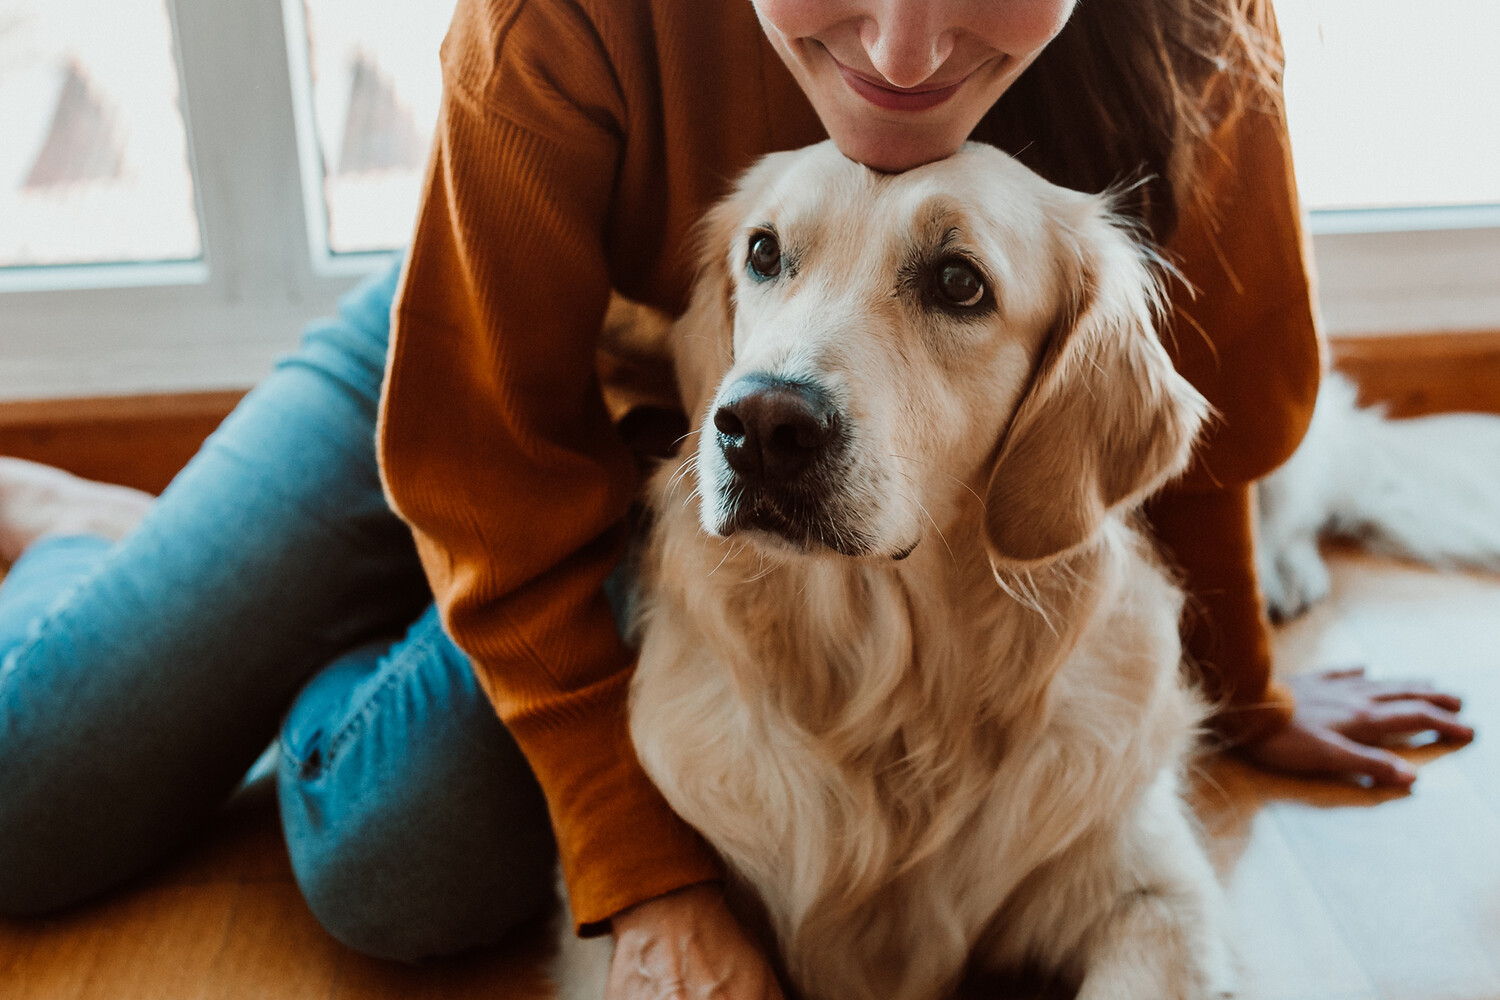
(906, 661)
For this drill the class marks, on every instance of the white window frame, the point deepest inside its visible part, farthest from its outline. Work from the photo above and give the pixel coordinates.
(266, 269)
(1417, 270)
(219, 322)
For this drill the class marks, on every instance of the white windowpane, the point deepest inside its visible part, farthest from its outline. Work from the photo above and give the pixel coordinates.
(1393, 102)
(93, 155)
(375, 91)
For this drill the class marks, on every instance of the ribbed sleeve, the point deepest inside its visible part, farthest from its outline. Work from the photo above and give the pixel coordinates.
(1210, 535)
(1246, 336)
(495, 443)
(1243, 327)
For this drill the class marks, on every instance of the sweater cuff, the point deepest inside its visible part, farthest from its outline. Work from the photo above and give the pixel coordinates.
(1209, 536)
(1241, 724)
(618, 841)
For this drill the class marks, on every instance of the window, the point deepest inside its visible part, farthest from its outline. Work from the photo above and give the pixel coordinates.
(280, 145)
(1394, 108)
(371, 100)
(1394, 104)
(94, 162)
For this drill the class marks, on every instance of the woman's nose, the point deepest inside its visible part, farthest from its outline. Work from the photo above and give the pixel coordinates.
(905, 43)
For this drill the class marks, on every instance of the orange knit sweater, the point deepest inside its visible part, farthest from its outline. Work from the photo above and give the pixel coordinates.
(578, 143)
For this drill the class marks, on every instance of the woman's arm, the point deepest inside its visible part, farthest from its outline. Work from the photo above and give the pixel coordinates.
(1209, 535)
(494, 441)
(1243, 331)
(1245, 334)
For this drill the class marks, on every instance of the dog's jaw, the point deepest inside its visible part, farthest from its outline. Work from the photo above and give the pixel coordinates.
(829, 507)
(794, 527)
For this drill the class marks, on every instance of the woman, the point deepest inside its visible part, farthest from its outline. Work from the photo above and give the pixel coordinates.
(577, 145)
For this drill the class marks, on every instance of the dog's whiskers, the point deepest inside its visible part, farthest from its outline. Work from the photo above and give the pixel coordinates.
(688, 466)
(930, 519)
(763, 566)
(729, 550)
(762, 571)
(1204, 776)
(943, 537)
(930, 467)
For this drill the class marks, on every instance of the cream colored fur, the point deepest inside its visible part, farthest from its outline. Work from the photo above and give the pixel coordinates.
(968, 757)
(1426, 489)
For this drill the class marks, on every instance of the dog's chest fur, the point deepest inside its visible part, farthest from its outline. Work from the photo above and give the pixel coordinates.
(883, 753)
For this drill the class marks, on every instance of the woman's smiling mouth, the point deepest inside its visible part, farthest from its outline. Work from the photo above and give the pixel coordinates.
(894, 99)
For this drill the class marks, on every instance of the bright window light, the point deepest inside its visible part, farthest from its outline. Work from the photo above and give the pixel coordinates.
(375, 85)
(1393, 103)
(93, 155)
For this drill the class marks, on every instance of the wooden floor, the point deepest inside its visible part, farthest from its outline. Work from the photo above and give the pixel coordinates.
(1341, 893)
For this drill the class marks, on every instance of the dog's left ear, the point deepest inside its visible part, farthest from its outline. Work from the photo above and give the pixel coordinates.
(1106, 419)
(702, 339)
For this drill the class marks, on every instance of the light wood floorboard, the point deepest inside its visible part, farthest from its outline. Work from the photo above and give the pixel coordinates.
(1342, 892)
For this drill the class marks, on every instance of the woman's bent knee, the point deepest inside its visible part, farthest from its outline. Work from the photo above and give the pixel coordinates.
(414, 824)
(384, 893)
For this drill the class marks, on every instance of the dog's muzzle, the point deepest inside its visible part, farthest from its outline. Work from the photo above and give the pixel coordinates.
(775, 431)
(784, 443)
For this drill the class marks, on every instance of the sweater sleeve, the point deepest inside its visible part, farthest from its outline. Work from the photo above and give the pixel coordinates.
(495, 443)
(1244, 333)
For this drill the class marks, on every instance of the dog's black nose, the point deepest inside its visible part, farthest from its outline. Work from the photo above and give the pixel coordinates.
(774, 428)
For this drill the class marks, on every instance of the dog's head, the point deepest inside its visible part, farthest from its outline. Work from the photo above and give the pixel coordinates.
(865, 355)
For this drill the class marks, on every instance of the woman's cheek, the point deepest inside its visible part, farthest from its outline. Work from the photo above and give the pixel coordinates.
(1020, 27)
(794, 19)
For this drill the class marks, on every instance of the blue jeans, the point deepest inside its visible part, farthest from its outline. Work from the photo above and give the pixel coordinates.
(269, 587)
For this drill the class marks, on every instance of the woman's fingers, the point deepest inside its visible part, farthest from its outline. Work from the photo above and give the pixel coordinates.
(1398, 690)
(1407, 690)
(1301, 748)
(686, 943)
(1341, 718)
(1396, 718)
(1380, 766)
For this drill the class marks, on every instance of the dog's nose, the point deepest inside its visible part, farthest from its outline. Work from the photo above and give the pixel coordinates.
(774, 428)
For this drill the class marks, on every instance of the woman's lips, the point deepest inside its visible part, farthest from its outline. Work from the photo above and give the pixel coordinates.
(897, 100)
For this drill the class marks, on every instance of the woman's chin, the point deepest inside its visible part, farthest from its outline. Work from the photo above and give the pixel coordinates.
(893, 150)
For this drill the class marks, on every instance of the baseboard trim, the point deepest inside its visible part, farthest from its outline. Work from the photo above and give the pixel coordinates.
(1419, 373)
(139, 441)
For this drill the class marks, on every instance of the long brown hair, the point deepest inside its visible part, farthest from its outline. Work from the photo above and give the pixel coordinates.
(1128, 94)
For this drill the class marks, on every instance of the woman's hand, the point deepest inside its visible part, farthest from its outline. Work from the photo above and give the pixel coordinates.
(1340, 719)
(686, 945)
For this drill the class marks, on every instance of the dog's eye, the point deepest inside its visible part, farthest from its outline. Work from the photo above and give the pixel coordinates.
(959, 284)
(765, 255)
